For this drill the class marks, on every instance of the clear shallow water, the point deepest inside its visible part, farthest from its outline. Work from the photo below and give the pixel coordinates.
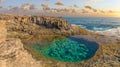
(95, 23)
(67, 49)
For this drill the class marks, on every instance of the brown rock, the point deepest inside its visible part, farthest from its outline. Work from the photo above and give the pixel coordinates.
(12, 54)
(3, 31)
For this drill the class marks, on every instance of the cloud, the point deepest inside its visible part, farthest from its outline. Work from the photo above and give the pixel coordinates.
(14, 8)
(59, 3)
(94, 1)
(90, 8)
(28, 6)
(1, 1)
(94, 10)
(76, 6)
(84, 11)
(102, 11)
(63, 10)
(110, 11)
(1, 7)
(47, 8)
(24, 9)
(44, 5)
(69, 10)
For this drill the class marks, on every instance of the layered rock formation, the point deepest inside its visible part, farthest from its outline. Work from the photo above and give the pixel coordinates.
(48, 22)
(26, 26)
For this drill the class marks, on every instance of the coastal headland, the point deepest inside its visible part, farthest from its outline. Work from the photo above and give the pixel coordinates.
(16, 31)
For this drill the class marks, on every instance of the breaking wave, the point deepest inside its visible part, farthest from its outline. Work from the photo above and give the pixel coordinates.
(111, 32)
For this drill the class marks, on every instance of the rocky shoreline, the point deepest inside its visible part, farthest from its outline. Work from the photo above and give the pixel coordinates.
(38, 25)
(15, 30)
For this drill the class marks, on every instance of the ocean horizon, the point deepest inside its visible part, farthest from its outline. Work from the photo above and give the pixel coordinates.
(97, 24)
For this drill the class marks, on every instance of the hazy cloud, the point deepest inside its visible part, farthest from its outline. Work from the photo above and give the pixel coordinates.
(94, 0)
(110, 11)
(59, 3)
(90, 8)
(76, 6)
(46, 9)
(69, 10)
(84, 11)
(28, 6)
(44, 5)
(14, 8)
(102, 11)
(1, 7)
(1, 1)
(95, 10)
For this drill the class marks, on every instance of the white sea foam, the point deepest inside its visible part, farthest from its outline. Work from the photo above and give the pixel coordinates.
(79, 26)
(111, 32)
(99, 29)
(73, 24)
(108, 32)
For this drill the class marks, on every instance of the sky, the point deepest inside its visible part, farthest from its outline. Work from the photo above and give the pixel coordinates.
(91, 8)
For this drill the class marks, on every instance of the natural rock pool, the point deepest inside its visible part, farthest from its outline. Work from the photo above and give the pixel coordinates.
(69, 49)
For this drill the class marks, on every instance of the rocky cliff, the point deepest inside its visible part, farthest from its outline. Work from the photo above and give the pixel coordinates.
(13, 52)
(26, 26)
(49, 22)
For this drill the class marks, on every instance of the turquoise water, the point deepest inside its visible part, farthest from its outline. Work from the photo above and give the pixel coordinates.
(68, 49)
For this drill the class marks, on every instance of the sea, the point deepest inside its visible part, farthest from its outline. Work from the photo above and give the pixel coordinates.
(105, 25)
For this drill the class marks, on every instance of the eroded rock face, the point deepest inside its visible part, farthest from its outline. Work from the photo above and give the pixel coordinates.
(25, 26)
(12, 54)
(49, 22)
(3, 31)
